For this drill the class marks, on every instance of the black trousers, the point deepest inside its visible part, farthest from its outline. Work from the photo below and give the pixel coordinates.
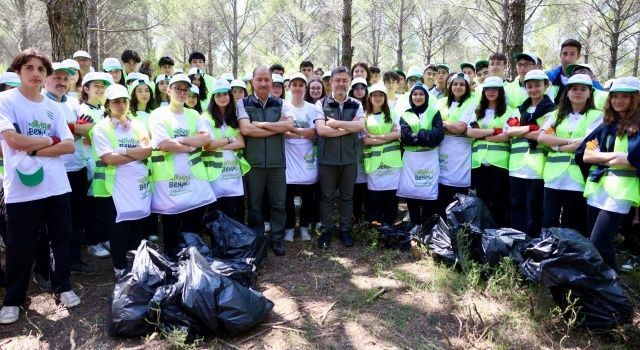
(420, 210)
(79, 187)
(490, 183)
(232, 207)
(123, 236)
(308, 195)
(360, 201)
(526, 204)
(565, 209)
(94, 225)
(446, 195)
(382, 206)
(23, 223)
(173, 225)
(603, 227)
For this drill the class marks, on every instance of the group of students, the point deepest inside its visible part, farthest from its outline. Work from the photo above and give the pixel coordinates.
(98, 156)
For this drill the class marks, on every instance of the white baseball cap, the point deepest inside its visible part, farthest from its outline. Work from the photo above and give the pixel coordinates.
(535, 74)
(220, 86)
(462, 76)
(298, 75)
(625, 84)
(527, 55)
(414, 73)
(326, 74)
(81, 54)
(29, 169)
(227, 76)
(196, 71)
(238, 83)
(581, 79)
(377, 87)
(358, 80)
(247, 77)
(139, 82)
(10, 78)
(57, 66)
(162, 77)
(116, 91)
(177, 78)
(493, 82)
(111, 63)
(194, 90)
(277, 79)
(71, 64)
(93, 76)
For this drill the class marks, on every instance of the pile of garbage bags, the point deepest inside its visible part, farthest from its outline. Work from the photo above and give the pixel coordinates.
(561, 259)
(208, 291)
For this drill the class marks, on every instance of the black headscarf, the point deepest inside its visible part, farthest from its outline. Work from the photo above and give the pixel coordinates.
(423, 107)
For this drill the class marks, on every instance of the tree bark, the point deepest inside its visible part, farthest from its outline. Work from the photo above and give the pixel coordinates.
(514, 34)
(68, 24)
(636, 56)
(94, 44)
(347, 49)
(21, 6)
(400, 50)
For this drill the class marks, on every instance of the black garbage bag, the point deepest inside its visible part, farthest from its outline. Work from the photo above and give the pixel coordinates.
(190, 239)
(467, 218)
(504, 242)
(564, 260)
(232, 240)
(240, 270)
(132, 292)
(397, 237)
(165, 311)
(435, 234)
(222, 305)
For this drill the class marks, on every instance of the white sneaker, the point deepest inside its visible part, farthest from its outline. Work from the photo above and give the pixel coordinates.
(288, 235)
(153, 238)
(304, 234)
(267, 226)
(69, 299)
(119, 273)
(98, 251)
(106, 245)
(9, 314)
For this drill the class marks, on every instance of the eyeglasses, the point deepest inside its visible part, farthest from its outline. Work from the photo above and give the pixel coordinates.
(180, 90)
(524, 65)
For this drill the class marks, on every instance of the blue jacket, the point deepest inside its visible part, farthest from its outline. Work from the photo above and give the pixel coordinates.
(555, 78)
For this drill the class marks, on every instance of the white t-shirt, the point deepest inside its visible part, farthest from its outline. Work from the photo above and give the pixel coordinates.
(77, 160)
(565, 181)
(302, 164)
(455, 154)
(184, 192)
(142, 117)
(526, 172)
(601, 200)
(45, 118)
(132, 188)
(384, 178)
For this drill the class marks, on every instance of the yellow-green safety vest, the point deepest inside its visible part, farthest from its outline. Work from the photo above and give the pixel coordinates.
(162, 166)
(600, 98)
(454, 116)
(105, 174)
(516, 95)
(621, 183)
(496, 153)
(416, 125)
(1, 166)
(214, 160)
(558, 162)
(389, 153)
(521, 154)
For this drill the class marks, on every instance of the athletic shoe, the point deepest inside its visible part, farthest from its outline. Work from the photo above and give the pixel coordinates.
(98, 250)
(119, 272)
(324, 242)
(345, 239)
(153, 238)
(267, 226)
(42, 282)
(304, 234)
(9, 314)
(628, 265)
(288, 235)
(106, 245)
(82, 268)
(69, 299)
(277, 245)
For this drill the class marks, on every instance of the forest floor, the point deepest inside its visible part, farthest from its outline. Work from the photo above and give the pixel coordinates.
(364, 297)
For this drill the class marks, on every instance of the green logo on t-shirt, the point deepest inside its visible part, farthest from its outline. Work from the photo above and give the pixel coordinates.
(38, 128)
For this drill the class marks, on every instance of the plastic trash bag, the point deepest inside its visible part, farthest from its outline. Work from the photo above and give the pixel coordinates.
(467, 218)
(222, 305)
(232, 240)
(132, 292)
(499, 243)
(165, 311)
(397, 237)
(435, 234)
(190, 239)
(564, 260)
(240, 270)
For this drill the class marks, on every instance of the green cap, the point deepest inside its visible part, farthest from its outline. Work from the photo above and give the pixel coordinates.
(442, 66)
(573, 67)
(467, 65)
(481, 64)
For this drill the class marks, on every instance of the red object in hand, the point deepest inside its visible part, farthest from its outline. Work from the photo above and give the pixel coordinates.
(72, 127)
(84, 119)
(497, 131)
(55, 139)
(513, 122)
(533, 128)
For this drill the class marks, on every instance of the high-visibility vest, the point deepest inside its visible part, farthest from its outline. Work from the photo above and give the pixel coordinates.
(558, 162)
(496, 153)
(600, 98)
(621, 183)
(105, 174)
(1, 166)
(416, 124)
(214, 159)
(162, 165)
(521, 154)
(389, 153)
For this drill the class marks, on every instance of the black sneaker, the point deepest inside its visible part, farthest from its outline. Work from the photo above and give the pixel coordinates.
(42, 282)
(82, 268)
(345, 239)
(324, 242)
(277, 245)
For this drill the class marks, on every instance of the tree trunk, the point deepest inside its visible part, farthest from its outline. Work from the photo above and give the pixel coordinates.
(613, 54)
(399, 51)
(515, 34)
(21, 6)
(636, 57)
(94, 44)
(504, 25)
(347, 49)
(587, 44)
(68, 25)
(234, 40)
(210, 56)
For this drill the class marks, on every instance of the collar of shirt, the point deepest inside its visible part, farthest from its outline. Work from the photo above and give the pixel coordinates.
(333, 99)
(54, 97)
(263, 103)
